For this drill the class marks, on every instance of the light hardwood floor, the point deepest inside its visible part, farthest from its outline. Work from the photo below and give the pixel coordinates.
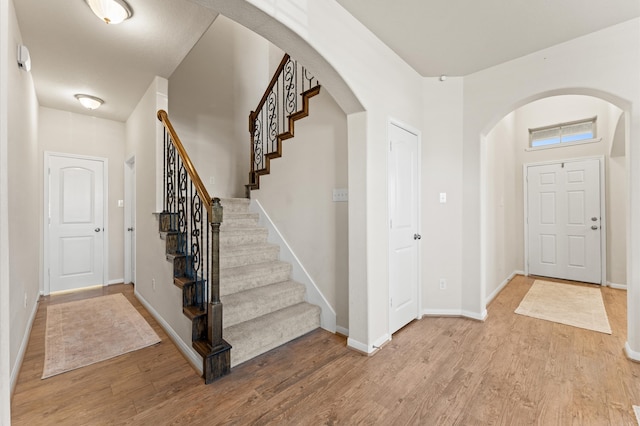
(509, 370)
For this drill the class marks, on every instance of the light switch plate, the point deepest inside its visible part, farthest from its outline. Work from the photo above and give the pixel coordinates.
(340, 194)
(443, 197)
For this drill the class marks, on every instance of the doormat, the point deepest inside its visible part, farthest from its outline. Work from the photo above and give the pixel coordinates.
(87, 331)
(568, 304)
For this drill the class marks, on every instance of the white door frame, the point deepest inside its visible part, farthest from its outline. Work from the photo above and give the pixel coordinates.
(129, 172)
(413, 130)
(603, 211)
(46, 213)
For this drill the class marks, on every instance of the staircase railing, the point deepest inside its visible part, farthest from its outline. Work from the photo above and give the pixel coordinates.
(196, 217)
(285, 101)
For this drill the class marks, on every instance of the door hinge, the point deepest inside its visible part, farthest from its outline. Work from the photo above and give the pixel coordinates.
(391, 302)
(391, 223)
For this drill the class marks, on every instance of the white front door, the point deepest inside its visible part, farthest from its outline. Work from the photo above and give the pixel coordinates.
(564, 220)
(76, 223)
(404, 234)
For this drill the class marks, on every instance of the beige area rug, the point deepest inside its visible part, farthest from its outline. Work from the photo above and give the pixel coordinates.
(87, 331)
(568, 304)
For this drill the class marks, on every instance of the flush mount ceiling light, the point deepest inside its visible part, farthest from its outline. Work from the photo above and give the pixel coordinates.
(89, 102)
(110, 11)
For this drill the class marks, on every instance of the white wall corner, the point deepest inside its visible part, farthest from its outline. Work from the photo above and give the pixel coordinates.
(23, 347)
(162, 102)
(298, 272)
(368, 349)
(475, 315)
(191, 355)
(631, 354)
(502, 285)
(342, 330)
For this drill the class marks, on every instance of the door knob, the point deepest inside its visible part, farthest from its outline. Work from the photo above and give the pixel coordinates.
(594, 227)
(594, 219)
(417, 236)
(97, 229)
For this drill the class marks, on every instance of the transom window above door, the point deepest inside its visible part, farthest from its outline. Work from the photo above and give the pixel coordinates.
(563, 134)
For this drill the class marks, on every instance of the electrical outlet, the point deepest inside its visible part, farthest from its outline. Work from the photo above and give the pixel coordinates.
(443, 197)
(153, 284)
(340, 194)
(212, 180)
(443, 284)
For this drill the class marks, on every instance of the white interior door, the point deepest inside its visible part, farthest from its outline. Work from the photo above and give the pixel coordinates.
(564, 220)
(76, 252)
(404, 234)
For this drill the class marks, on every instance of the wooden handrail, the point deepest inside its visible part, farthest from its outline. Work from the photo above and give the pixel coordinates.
(272, 83)
(188, 165)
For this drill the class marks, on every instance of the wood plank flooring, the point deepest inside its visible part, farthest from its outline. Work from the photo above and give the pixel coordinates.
(509, 370)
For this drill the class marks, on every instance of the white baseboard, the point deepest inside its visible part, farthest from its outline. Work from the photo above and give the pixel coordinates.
(298, 272)
(442, 312)
(23, 347)
(631, 354)
(368, 349)
(455, 313)
(342, 330)
(116, 281)
(191, 355)
(358, 346)
(501, 286)
(474, 315)
(617, 286)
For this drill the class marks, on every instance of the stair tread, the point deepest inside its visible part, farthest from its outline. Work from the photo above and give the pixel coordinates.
(259, 335)
(182, 281)
(248, 304)
(192, 312)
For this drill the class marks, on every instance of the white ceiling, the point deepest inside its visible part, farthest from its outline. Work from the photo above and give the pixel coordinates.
(459, 37)
(72, 51)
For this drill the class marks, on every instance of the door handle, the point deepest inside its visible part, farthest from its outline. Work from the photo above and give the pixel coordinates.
(594, 219)
(417, 236)
(594, 227)
(97, 229)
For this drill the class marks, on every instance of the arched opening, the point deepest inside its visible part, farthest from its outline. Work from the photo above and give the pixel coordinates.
(505, 149)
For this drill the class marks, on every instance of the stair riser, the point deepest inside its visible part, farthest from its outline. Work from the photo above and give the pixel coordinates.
(230, 240)
(243, 222)
(279, 333)
(235, 314)
(265, 255)
(228, 286)
(235, 206)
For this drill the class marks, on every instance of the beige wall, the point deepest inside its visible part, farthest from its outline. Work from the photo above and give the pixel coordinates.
(24, 203)
(297, 196)
(143, 140)
(210, 96)
(507, 150)
(71, 133)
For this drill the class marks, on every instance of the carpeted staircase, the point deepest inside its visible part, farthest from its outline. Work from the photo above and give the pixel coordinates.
(262, 307)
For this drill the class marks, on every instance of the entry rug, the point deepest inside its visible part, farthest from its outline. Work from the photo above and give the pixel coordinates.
(87, 331)
(568, 304)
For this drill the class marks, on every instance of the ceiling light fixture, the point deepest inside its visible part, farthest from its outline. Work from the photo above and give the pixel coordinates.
(89, 102)
(111, 11)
